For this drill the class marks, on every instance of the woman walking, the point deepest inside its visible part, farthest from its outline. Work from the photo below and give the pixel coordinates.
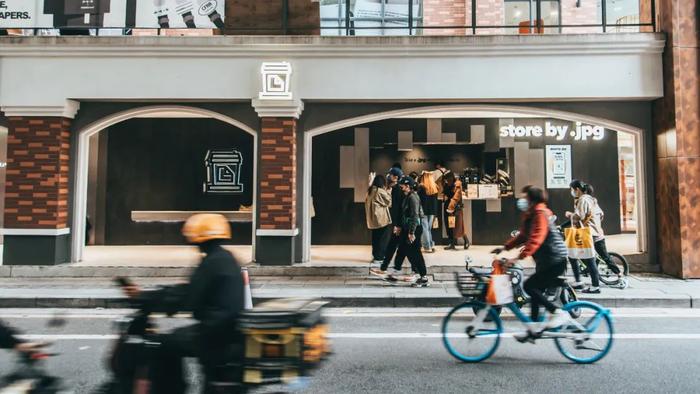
(377, 205)
(584, 215)
(428, 192)
(411, 230)
(454, 218)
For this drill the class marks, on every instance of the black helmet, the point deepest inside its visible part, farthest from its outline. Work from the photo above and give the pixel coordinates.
(407, 180)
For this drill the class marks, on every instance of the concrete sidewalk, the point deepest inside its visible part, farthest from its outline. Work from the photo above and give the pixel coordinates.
(350, 291)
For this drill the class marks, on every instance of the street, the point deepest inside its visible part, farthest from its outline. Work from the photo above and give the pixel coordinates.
(399, 351)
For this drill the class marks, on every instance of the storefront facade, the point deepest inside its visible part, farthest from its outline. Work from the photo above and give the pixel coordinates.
(261, 129)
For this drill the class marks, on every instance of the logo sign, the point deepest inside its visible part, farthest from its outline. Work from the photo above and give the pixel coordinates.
(223, 172)
(580, 133)
(276, 81)
(207, 7)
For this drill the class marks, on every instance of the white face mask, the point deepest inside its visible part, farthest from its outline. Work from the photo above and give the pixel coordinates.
(573, 194)
(522, 204)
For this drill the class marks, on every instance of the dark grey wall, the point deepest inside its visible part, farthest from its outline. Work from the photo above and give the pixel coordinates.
(158, 165)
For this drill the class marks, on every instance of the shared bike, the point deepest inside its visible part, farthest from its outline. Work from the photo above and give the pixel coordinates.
(472, 331)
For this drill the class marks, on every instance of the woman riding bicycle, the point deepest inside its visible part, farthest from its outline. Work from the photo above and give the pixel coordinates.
(546, 246)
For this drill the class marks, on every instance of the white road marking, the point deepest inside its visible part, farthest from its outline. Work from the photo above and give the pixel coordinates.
(374, 335)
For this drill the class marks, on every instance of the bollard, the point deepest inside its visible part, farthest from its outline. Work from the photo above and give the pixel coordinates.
(248, 296)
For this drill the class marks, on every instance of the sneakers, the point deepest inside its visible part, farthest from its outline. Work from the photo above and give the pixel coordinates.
(559, 318)
(528, 335)
(378, 272)
(421, 282)
(577, 285)
(411, 278)
(592, 290)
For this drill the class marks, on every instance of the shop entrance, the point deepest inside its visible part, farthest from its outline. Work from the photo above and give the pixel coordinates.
(495, 150)
(142, 173)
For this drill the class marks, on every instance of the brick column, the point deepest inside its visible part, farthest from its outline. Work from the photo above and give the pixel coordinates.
(36, 193)
(278, 171)
(277, 225)
(677, 131)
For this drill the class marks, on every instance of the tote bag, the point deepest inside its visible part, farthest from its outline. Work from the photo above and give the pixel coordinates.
(500, 289)
(579, 242)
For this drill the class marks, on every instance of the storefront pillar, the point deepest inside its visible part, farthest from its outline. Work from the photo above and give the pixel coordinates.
(277, 228)
(36, 228)
(677, 131)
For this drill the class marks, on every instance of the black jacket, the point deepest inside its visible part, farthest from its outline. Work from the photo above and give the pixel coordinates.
(7, 337)
(412, 212)
(429, 203)
(214, 294)
(397, 197)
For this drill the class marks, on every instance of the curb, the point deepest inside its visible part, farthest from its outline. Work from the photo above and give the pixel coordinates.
(389, 301)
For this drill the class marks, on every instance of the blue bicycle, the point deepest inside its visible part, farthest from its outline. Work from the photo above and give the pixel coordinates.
(472, 331)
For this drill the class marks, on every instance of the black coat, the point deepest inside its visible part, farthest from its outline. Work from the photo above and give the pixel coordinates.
(429, 203)
(214, 295)
(7, 337)
(397, 197)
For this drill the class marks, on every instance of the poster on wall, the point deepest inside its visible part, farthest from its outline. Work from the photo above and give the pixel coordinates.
(207, 14)
(558, 166)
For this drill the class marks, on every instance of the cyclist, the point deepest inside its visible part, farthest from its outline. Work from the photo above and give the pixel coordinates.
(9, 340)
(585, 214)
(545, 244)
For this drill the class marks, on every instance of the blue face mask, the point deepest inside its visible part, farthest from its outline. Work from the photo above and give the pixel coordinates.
(522, 204)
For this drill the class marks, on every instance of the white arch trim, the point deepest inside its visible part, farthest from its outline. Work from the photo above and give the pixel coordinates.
(461, 109)
(83, 154)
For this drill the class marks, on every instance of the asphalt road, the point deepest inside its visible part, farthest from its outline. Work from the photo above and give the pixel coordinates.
(399, 351)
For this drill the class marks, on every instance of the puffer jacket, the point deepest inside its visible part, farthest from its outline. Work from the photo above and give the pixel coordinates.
(377, 208)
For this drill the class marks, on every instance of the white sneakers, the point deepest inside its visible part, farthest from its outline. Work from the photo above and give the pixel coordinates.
(560, 318)
(534, 330)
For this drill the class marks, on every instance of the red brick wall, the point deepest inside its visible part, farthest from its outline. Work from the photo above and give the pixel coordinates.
(36, 192)
(278, 163)
(446, 13)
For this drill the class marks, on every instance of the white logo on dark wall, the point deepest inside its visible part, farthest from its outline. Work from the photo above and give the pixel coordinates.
(276, 79)
(223, 172)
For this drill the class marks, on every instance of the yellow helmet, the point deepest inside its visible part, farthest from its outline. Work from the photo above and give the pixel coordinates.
(204, 227)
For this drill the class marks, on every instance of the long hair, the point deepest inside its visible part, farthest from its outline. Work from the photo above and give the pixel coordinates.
(426, 179)
(449, 178)
(379, 181)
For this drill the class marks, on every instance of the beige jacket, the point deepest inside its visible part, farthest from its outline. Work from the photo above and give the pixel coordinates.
(377, 204)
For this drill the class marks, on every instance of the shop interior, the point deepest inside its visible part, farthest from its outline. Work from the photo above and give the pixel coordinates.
(494, 156)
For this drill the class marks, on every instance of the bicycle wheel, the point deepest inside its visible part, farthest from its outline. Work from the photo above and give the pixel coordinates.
(568, 295)
(496, 310)
(468, 337)
(589, 340)
(607, 275)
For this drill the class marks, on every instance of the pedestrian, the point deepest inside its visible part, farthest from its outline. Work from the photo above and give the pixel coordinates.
(544, 243)
(454, 218)
(428, 192)
(599, 237)
(584, 215)
(396, 203)
(378, 216)
(411, 231)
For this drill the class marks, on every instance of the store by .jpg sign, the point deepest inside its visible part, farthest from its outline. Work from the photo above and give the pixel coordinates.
(581, 132)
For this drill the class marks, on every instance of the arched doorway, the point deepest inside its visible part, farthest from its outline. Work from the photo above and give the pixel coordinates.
(634, 141)
(155, 111)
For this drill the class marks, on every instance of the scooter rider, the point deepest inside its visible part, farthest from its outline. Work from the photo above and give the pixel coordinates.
(214, 295)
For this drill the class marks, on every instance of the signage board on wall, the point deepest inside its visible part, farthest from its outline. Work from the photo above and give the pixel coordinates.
(581, 132)
(558, 166)
(206, 14)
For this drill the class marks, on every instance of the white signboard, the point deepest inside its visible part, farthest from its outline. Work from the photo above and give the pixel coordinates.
(581, 132)
(558, 162)
(489, 191)
(276, 79)
(207, 14)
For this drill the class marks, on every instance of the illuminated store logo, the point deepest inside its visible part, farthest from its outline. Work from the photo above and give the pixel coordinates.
(223, 172)
(276, 81)
(560, 132)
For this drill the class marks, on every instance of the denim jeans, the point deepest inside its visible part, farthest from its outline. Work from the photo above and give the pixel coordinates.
(427, 236)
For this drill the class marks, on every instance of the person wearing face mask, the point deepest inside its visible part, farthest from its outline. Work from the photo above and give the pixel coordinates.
(542, 242)
(585, 214)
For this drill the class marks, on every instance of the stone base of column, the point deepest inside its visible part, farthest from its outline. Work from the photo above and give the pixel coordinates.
(36, 249)
(275, 247)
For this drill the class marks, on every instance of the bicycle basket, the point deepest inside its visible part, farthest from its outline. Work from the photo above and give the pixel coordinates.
(469, 286)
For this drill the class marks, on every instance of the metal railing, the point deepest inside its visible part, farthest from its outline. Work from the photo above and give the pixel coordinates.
(414, 22)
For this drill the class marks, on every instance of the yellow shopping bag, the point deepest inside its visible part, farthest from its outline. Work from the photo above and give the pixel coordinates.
(579, 242)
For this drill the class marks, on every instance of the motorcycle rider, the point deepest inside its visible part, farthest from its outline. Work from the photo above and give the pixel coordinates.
(214, 295)
(546, 246)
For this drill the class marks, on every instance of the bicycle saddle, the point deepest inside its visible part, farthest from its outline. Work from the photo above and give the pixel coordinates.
(480, 270)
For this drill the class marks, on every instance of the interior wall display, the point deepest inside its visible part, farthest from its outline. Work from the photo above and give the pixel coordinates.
(558, 166)
(206, 14)
(223, 171)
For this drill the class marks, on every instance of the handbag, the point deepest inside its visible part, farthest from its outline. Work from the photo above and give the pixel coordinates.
(436, 223)
(451, 221)
(579, 242)
(500, 290)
